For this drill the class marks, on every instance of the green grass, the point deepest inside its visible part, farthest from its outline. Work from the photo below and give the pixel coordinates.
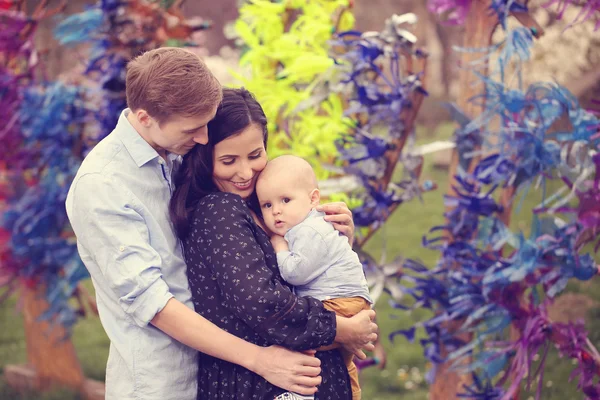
(403, 375)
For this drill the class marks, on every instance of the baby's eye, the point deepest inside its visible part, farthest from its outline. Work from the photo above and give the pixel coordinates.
(267, 205)
(286, 199)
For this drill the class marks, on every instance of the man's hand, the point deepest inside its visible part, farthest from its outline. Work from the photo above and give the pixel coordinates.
(279, 243)
(341, 217)
(357, 333)
(290, 370)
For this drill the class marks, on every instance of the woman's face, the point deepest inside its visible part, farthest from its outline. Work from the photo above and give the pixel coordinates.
(238, 160)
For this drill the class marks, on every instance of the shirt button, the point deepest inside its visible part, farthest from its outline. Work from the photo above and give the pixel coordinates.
(122, 248)
(161, 161)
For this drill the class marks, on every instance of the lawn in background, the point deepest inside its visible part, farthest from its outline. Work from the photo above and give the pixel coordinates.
(403, 377)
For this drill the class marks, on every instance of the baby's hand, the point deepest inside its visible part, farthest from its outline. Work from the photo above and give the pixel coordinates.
(279, 243)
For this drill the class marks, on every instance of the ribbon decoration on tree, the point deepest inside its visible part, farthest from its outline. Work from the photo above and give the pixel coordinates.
(328, 98)
(53, 124)
(475, 285)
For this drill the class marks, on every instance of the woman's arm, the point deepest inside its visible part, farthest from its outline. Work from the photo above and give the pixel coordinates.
(223, 238)
(287, 369)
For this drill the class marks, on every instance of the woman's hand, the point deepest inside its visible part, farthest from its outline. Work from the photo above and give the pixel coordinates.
(357, 333)
(341, 217)
(290, 370)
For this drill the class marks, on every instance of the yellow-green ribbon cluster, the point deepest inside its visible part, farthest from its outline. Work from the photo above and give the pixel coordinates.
(287, 52)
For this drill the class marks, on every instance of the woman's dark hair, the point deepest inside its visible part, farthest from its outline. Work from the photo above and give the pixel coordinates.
(194, 179)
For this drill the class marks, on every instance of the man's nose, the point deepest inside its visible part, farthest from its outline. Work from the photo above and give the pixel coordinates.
(202, 136)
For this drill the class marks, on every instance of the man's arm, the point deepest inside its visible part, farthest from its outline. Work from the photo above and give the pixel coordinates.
(108, 225)
(287, 369)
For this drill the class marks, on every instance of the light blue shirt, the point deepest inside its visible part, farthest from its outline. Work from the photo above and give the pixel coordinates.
(320, 262)
(118, 207)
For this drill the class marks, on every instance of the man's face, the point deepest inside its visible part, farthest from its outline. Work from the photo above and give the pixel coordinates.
(180, 134)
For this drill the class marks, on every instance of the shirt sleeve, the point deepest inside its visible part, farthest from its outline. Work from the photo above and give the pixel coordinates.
(106, 218)
(223, 236)
(304, 261)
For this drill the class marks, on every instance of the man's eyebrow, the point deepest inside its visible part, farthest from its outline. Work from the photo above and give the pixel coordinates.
(194, 129)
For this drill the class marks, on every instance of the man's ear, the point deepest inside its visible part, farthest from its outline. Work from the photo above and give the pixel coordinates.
(315, 197)
(144, 118)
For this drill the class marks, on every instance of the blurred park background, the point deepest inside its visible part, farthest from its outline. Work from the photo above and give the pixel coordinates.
(569, 57)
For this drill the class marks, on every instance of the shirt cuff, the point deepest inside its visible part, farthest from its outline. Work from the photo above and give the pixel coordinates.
(282, 256)
(149, 303)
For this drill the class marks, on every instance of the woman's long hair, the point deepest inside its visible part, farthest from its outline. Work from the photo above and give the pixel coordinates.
(194, 179)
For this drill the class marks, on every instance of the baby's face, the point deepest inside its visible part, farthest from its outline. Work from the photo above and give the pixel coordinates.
(284, 203)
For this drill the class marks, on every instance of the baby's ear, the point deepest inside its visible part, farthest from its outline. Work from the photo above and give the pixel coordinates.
(315, 197)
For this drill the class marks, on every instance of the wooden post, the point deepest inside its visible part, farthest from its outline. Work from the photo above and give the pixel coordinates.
(409, 116)
(51, 357)
(479, 27)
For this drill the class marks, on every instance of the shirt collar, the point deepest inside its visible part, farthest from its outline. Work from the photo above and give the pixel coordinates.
(138, 148)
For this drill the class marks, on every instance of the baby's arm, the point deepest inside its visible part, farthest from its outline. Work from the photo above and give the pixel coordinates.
(305, 258)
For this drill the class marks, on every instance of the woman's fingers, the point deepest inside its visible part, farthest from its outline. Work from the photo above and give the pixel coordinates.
(360, 354)
(343, 219)
(343, 229)
(340, 216)
(369, 347)
(335, 208)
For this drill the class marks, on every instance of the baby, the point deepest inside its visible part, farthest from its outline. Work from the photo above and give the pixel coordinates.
(311, 254)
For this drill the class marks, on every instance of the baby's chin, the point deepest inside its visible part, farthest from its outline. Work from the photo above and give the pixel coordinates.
(279, 231)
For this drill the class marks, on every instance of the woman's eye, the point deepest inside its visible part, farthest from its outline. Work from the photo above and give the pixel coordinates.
(255, 156)
(286, 200)
(228, 162)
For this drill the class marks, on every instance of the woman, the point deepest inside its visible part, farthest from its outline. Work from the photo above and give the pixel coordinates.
(232, 268)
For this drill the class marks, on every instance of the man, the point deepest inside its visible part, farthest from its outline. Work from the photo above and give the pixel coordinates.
(118, 207)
